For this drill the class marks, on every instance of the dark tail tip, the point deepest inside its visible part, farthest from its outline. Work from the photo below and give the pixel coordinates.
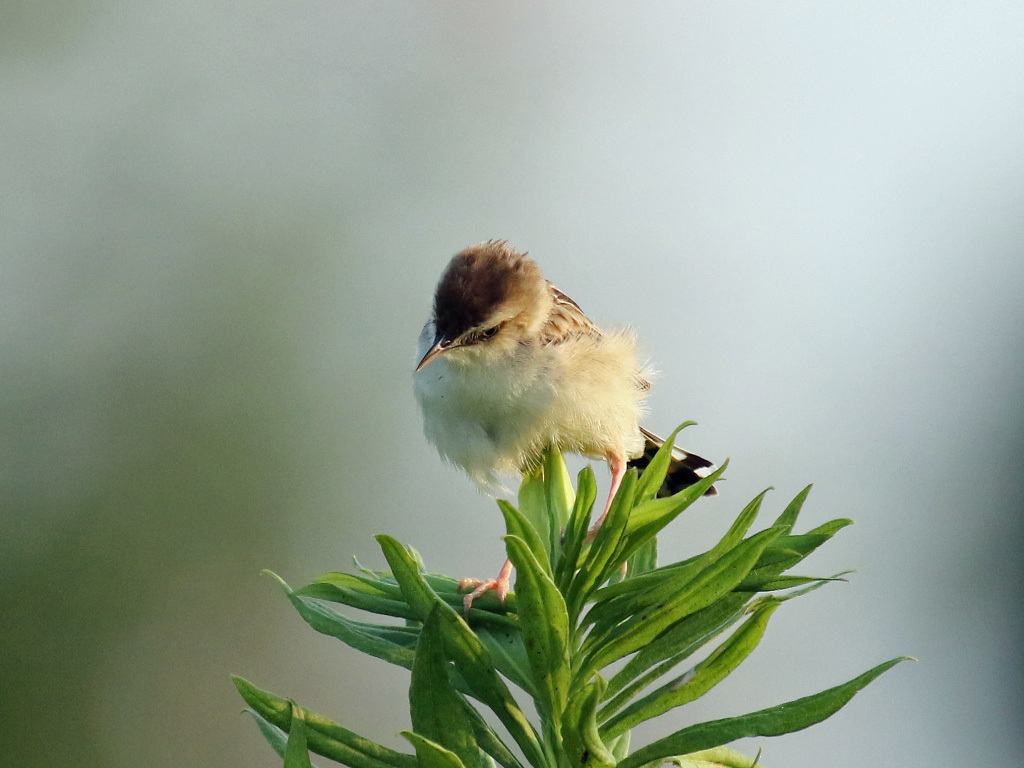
(684, 470)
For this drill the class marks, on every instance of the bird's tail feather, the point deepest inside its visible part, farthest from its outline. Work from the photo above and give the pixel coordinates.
(684, 470)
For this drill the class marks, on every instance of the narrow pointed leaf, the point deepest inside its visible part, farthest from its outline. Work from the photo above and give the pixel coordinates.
(296, 755)
(519, 526)
(474, 663)
(654, 475)
(608, 615)
(809, 588)
(533, 503)
(381, 594)
(487, 739)
(395, 645)
(544, 622)
(656, 586)
(580, 736)
(603, 547)
(358, 592)
(576, 528)
(505, 645)
(430, 754)
(787, 551)
(417, 593)
(792, 510)
(701, 679)
(774, 721)
(560, 498)
(764, 583)
(323, 736)
(464, 648)
(710, 584)
(276, 738)
(652, 515)
(645, 559)
(671, 647)
(620, 747)
(719, 757)
(436, 709)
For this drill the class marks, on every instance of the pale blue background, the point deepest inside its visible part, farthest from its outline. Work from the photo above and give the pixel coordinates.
(219, 228)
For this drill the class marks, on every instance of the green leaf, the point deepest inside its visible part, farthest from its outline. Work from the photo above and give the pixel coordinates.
(296, 755)
(774, 721)
(560, 498)
(789, 514)
(416, 591)
(277, 738)
(714, 581)
(818, 584)
(645, 559)
(671, 647)
(533, 502)
(395, 645)
(508, 653)
(519, 526)
(545, 499)
(473, 662)
(699, 680)
(654, 475)
(383, 596)
(544, 622)
(431, 754)
(766, 583)
(652, 515)
(576, 529)
(323, 736)
(620, 747)
(787, 551)
(659, 587)
(580, 736)
(358, 592)
(436, 709)
(719, 757)
(602, 549)
(488, 739)
(464, 648)
(656, 586)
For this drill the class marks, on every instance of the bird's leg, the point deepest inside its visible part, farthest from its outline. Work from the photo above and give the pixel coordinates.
(617, 465)
(500, 585)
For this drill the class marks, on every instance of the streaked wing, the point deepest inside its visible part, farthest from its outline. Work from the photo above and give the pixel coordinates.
(566, 321)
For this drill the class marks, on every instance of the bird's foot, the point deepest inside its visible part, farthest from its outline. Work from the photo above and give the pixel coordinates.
(500, 585)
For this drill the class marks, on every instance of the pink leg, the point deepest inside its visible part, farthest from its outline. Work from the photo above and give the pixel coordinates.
(500, 585)
(617, 465)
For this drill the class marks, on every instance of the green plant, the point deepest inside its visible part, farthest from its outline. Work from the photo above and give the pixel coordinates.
(571, 617)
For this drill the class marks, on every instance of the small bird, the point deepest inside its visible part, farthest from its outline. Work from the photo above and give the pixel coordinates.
(509, 366)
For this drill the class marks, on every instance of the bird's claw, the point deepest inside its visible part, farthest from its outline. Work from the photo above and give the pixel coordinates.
(500, 586)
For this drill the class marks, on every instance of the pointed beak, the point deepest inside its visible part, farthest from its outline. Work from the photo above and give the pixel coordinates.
(441, 344)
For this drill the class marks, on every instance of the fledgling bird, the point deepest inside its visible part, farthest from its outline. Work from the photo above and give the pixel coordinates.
(509, 365)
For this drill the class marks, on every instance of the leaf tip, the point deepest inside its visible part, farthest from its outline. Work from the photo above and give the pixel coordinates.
(278, 579)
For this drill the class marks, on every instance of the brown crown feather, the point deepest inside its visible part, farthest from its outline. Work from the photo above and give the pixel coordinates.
(476, 281)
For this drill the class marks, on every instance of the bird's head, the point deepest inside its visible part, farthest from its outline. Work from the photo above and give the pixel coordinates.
(490, 299)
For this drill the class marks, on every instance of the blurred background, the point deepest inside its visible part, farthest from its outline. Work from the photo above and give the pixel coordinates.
(220, 227)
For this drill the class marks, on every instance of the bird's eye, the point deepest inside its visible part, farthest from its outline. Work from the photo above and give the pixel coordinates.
(489, 333)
